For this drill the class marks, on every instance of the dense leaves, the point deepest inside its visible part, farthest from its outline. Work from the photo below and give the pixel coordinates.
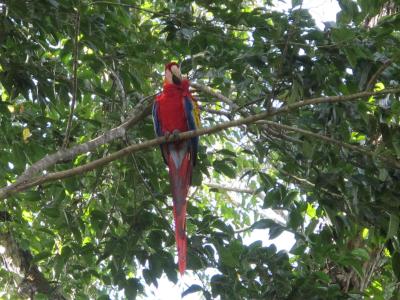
(108, 232)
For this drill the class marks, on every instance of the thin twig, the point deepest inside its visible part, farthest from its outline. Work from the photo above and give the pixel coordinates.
(206, 89)
(214, 111)
(230, 189)
(330, 140)
(74, 80)
(307, 182)
(374, 77)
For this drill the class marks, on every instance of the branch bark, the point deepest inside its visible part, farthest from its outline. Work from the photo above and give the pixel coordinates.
(142, 109)
(24, 185)
(26, 274)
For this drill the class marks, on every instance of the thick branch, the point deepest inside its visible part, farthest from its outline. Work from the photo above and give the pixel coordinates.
(21, 186)
(27, 275)
(142, 109)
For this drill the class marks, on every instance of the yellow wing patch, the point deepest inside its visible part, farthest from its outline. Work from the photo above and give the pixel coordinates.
(196, 113)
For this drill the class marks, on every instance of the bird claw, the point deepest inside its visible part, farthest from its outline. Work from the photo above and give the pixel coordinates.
(167, 134)
(172, 136)
(175, 134)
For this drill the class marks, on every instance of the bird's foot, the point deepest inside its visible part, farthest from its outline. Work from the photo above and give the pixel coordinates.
(170, 137)
(175, 134)
(167, 135)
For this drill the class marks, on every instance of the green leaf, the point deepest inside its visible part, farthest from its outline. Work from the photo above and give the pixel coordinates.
(361, 253)
(311, 211)
(393, 226)
(53, 212)
(263, 224)
(192, 289)
(221, 166)
(131, 288)
(290, 197)
(230, 256)
(296, 3)
(396, 264)
(42, 256)
(227, 152)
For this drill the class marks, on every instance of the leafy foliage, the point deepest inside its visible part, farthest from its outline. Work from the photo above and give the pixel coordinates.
(110, 230)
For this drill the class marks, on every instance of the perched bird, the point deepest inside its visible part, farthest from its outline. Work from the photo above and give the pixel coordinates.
(175, 111)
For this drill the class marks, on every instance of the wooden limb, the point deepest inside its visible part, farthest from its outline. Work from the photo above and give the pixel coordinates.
(142, 109)
(26, 274)
(19, 185)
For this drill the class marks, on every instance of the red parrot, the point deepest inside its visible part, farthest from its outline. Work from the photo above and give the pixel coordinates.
(175, 111)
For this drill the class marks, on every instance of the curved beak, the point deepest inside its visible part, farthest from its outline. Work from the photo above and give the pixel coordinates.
(176, 74)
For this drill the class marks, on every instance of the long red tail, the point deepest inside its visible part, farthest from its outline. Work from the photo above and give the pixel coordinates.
(180, 173)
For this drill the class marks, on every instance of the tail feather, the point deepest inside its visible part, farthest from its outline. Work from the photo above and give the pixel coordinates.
(180, 172)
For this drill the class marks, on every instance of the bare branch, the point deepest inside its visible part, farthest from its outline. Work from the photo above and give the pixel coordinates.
(74, 80)
(141, 110)
(21, 186)
(118, 82)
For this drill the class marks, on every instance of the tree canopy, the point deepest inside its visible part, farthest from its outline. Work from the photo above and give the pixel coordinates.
(301, 134)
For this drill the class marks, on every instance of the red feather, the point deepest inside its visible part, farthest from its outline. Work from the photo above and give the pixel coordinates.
(169, 65)
(180, 172)
(171, 116)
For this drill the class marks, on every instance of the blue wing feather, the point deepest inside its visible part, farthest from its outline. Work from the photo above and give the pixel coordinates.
(156, 119)
(191, 120)
(157, 128)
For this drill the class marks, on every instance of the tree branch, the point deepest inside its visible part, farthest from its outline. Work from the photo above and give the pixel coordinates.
(308, 183)
(26, 274)
(211, 92)
(141, 110)
(214, 111)
(21, 186)
(230, 189)
(74, 80)
(374, 77)
(137, 7)
(324, 138)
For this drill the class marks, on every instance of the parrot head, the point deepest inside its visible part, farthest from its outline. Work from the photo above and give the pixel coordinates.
(173, 73)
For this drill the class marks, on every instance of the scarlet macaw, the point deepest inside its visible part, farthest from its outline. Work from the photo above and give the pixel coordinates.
(175, 110)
